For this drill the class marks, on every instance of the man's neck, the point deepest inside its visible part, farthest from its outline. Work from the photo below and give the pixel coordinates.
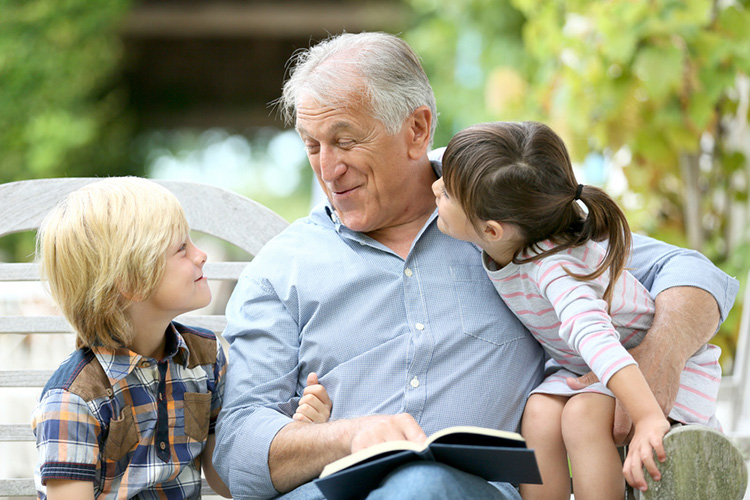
(401, 236)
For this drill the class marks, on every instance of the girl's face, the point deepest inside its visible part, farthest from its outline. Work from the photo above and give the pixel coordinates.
(452, 219)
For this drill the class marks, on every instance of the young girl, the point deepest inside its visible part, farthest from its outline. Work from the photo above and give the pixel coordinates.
(131, 413)
(510, 189)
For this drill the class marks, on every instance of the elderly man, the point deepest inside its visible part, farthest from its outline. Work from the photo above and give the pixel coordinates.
(400, 321)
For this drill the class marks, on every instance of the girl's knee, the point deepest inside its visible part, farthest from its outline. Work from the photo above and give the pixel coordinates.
(541, 416)
(587, 416)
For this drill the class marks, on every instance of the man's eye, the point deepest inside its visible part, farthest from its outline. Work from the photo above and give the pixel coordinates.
(312, 148)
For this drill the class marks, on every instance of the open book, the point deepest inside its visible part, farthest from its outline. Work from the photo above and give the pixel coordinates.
(491, 454)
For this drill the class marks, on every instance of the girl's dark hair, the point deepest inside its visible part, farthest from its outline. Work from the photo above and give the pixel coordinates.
(520, 173)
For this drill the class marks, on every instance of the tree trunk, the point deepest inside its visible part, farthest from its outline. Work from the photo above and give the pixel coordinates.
(690, 168)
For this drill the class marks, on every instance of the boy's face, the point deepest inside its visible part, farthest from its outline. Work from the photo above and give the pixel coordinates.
(184, 287)
(452, 220)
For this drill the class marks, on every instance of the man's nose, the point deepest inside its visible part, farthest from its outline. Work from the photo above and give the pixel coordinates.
(331, 164)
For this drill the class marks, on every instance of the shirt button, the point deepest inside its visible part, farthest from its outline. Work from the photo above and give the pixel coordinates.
(408, 272)
(109, 392)
(145, 364)
(419, 326)
(162, 445)
(414, 382)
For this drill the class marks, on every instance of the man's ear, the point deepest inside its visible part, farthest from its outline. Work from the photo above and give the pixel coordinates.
(493, 230)
(420, 126)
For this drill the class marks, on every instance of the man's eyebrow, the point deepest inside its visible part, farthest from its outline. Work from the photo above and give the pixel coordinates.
(335, 127)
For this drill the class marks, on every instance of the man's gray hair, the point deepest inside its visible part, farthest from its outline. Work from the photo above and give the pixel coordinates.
(378, 69)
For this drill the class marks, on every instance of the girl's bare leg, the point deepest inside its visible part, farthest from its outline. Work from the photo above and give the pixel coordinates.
(541, 427)
(587, 421)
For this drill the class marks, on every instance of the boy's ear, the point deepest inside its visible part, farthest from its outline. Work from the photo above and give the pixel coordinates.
(128, 295)
(493, 230)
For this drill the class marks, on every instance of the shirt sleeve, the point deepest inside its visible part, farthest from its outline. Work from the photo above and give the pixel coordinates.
(67, 437)
(585, 324)
(262, 375)
(659, 266)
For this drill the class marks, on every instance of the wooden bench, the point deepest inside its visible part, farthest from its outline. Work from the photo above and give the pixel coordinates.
(212, 211)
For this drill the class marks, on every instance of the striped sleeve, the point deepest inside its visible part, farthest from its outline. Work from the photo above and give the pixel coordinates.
(585, 324)
(66, 437)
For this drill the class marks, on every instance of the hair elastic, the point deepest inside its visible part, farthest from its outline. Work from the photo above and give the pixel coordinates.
(578, 192)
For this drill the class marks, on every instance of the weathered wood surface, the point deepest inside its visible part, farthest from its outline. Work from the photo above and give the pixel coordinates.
(701, 464)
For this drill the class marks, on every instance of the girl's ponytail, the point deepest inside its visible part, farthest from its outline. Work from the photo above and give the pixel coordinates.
(605, 221)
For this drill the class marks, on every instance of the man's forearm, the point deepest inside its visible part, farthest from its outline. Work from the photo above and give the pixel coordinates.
(685, 319)
(300, 450)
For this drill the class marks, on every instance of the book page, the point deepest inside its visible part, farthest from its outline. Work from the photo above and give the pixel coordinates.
(463, 434)
(470, 429)
(369, 453)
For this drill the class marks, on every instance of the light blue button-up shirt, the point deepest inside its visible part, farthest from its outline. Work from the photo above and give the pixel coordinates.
(427, 335)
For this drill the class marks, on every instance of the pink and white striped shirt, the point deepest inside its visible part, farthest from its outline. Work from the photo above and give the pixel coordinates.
(572, 322)
(568, 317)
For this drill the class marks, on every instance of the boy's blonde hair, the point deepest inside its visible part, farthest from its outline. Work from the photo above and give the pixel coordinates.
(105, 246)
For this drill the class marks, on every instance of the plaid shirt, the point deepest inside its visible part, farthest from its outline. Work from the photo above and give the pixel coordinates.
(132, 425)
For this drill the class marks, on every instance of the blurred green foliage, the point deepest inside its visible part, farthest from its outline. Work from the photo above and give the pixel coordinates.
(665, 81)
(62, 111)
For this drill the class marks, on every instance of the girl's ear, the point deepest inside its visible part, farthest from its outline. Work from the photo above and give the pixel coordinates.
(493, 230)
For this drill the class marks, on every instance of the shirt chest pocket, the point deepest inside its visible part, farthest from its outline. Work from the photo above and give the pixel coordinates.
(483, 314)
(197, 410)
(122, 437)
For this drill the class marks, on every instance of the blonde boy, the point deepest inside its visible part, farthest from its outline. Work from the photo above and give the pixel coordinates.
(132, 411)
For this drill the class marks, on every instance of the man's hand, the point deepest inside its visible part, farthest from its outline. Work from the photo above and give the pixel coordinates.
(685, 319)
(382, 428)
(300, 451)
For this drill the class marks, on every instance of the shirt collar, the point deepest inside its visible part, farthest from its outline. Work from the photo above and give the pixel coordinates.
(120, 362)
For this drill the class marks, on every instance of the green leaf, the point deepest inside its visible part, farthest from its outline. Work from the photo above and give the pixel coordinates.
(660, 69)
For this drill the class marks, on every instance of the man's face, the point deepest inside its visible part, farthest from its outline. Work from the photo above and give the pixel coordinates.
(363, 170)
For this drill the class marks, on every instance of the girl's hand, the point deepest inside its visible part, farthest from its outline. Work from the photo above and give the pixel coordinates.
(649, 435)
(314, 405)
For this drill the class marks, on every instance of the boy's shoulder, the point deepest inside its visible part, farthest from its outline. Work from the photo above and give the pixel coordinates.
(80, 374)
(200, 342)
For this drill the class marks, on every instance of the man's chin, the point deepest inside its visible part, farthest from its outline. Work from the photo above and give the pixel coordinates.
(355, 221)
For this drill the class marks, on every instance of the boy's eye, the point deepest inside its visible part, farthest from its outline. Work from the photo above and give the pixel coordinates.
(445, 193)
